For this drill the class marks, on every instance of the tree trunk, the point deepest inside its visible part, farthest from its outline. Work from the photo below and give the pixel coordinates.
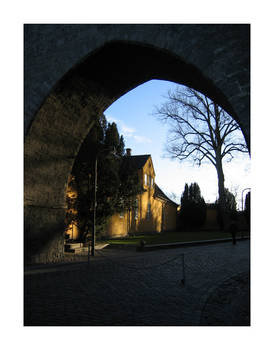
(221, 191)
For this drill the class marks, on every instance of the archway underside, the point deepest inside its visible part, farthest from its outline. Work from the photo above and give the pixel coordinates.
(65, 119)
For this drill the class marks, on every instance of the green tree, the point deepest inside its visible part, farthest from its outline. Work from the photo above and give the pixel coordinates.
(130, 185)
(247, 208)
(192, 213)
(230, 208)
(116, 183)
(112, 137)
(201, 131)
(121, 147)
(230, 201)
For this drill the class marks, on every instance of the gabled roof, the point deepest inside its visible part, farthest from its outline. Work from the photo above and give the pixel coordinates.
(160, 194)
(137, 161)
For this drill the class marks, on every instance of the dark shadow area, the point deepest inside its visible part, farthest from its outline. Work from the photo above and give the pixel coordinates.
(144, 289)
(228, 304)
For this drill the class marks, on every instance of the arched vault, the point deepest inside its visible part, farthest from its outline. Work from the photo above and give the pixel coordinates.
(74, 72)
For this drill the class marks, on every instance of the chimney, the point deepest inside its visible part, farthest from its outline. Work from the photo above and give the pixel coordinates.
(128, 150)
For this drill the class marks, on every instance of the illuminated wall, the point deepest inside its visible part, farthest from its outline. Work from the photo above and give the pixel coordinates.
(153, 214)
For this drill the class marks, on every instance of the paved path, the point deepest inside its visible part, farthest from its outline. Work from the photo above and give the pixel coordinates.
(124, 287)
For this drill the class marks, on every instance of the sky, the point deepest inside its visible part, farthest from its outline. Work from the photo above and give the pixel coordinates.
(145, 134)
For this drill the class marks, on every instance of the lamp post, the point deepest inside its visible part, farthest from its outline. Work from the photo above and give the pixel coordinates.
(94, 208)
(248, 188)
(91, 243)
(93, 236)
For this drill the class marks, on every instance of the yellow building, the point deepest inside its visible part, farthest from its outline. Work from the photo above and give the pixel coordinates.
(153, 210)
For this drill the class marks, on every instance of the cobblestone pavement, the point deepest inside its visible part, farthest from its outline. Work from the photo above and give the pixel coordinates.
(123, 287)
(229, 303)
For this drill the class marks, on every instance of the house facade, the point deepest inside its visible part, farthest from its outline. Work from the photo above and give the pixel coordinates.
(153, 210)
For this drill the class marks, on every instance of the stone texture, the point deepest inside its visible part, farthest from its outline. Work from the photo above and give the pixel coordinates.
(126, 288)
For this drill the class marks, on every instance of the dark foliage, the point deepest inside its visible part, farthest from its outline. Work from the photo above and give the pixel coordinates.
(247, 208)
(230, 209)
(193, 208)
(117, 184)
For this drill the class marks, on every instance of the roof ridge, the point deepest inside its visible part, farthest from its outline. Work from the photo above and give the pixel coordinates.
(139, 155)
(162, 194)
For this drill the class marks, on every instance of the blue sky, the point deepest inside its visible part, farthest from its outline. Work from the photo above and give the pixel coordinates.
(145, 134)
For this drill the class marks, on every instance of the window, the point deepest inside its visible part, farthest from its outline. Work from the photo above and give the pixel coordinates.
(148, 211)
(150, 181)
(145, 179)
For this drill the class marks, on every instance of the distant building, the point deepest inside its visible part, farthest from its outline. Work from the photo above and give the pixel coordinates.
(153, 210)
(211, 222)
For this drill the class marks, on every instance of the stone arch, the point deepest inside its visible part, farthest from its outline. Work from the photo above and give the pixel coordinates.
(62, 113)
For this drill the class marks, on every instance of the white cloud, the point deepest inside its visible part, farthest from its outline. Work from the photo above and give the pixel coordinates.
(112, 120)
(141, 139)
(124, 129)
(128, 131)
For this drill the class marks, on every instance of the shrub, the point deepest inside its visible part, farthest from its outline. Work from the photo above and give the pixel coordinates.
(192, 214)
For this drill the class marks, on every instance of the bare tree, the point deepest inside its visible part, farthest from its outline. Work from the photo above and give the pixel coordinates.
(200, 131)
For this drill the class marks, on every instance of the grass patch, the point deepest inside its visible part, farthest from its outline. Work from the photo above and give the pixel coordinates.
(169, 237)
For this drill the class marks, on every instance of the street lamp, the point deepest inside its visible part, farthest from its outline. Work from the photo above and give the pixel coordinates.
(110, 153)
(94, 207)
(248, 188)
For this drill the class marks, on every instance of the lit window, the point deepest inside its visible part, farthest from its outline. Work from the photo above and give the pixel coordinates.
(145, 179)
